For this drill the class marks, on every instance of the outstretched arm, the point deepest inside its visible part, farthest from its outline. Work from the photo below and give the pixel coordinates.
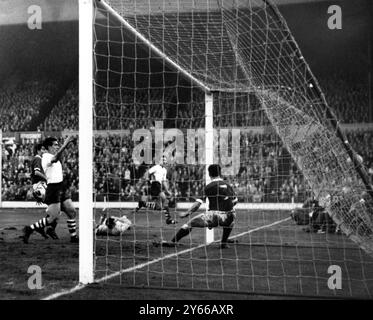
(192, 209)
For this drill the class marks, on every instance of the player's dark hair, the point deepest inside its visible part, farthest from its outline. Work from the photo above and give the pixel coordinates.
(214, 171)
(38, 147)
(48, 142)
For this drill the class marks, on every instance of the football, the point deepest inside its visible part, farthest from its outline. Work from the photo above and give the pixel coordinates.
(39, 190)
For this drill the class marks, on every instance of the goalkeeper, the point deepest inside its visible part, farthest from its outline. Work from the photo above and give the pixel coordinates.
(113, 226)
(221, 213)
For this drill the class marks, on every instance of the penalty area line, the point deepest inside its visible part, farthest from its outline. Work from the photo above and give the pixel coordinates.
(145, 264)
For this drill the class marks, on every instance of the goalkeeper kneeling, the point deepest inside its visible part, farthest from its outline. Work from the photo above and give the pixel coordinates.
(113, 226)
(221, 212)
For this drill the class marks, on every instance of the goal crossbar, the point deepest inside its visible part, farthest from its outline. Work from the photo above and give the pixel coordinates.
(104, 6)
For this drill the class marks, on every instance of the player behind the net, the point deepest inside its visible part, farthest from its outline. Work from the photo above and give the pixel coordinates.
(57, 196)
(221, 212)
(159, 193)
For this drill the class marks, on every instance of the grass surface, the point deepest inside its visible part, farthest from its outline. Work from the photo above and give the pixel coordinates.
(268, 262)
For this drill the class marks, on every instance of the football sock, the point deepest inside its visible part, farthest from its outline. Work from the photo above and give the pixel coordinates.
(39, 224)
(183, 231)
(71, 225)
(166, 212)
(150, 205)
(226, 233)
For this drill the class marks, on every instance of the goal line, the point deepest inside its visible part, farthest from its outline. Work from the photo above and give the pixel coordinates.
(143, 265)
(132, 205)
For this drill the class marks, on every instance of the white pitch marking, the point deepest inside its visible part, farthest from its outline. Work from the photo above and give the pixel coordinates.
(142, 265)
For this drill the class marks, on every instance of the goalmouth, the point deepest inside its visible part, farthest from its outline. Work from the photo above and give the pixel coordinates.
(220, 66)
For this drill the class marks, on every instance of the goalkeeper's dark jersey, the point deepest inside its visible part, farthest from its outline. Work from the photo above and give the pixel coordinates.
(36, 166)
(221, 195)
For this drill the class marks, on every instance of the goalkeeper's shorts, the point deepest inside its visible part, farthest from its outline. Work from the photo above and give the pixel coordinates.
(215, 218)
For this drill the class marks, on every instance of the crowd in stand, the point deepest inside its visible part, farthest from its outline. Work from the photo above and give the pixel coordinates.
(64, 116)
(348, 98)
(19, 103)
(267, 172)
(126, 109)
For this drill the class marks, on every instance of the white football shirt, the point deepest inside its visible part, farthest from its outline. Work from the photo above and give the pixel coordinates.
(53, 171)
(159, 172)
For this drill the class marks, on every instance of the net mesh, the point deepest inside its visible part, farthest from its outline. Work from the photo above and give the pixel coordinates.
(154, 62)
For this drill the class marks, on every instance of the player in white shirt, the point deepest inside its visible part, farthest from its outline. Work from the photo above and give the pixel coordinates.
(158, 190)
(57, 197)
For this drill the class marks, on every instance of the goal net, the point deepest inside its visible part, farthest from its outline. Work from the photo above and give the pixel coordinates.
(222, 81)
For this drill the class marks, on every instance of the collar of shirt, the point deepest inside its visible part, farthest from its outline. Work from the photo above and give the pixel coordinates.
(47, 153)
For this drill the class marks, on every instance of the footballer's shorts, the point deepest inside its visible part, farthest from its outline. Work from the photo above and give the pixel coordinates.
(57, 193)
(155, 189)
(219, 218)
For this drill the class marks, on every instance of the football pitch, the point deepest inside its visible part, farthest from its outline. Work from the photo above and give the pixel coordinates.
(273, 259)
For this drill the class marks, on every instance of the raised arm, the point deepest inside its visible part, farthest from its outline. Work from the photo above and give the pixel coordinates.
(192, 209)
(58, 155)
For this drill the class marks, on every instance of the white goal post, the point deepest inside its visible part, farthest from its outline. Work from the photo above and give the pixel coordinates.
(209, 150)
(86, 224)
(222, 66)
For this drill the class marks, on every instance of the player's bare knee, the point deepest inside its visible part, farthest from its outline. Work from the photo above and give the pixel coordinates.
(53, 212)
(52, 219)
(69, 209)
(71, 213)
(162, 196)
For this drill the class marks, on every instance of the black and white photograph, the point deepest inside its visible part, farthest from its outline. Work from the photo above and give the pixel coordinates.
(193, 150)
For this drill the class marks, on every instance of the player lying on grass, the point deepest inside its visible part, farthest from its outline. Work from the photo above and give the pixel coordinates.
(159, 192)
(58, 196)
(315, 216)
(221, 213)
(113, 226)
